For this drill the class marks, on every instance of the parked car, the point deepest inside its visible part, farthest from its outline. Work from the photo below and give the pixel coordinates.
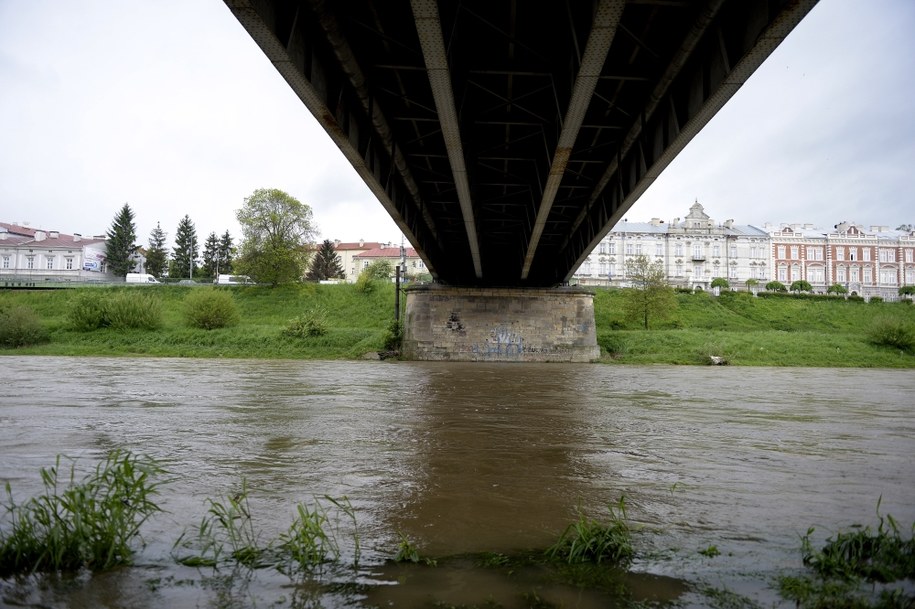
(140, 278)
(233, 280)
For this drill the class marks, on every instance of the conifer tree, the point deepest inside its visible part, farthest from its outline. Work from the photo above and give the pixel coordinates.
(211, 256)
(184, 254)
(119, 246)
(226, 253)
(156, 254)
(326, 263)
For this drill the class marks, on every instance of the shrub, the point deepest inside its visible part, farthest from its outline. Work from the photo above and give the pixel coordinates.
(890, 332)
(837, 288)
(801, 286)
(87, 312)
(210, 309)
(720, 282)
(393, 339)
(133, 309)
(776, 286)
(20, 326)
(876, 299)
(311, 323)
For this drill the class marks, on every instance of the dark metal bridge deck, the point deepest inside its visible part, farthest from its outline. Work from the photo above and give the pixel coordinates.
(507, 137)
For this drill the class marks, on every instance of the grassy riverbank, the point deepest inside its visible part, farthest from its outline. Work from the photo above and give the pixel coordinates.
(739, 328)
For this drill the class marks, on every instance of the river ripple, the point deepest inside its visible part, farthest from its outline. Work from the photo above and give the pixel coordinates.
(466, 458)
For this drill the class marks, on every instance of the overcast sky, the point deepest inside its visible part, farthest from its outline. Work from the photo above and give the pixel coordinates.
(171, 107)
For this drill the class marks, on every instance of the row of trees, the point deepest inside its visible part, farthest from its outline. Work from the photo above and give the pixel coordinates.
(277, 231)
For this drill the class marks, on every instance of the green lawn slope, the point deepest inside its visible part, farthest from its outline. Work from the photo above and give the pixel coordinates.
(737, 328)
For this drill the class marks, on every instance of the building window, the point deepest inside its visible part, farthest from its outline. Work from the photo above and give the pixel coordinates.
(697, 271)
(638, 249)
(6, 262)
(733, 251)
(30, 262)
(853, 253)
(732, 272)
(611, 248)
(697, 251)
(629, 249)
(783, 273)
(658, 249)
(603, 269)
(49, 262)
(69, 263)
(868, 275)
(888, 276)
(585, 268)
(887, 255)
(602, 248)
(795, 272)
(841, 276)
(815, 275)
(678, 269)
(855, 274)
(365, 264)
(866, 254)
(716, 251)
(795, 252)
(910, 276)
(678, 249)
(761, 273)
(781, 252)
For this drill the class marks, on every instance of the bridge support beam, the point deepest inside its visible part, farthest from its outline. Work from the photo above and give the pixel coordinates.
(499, 325)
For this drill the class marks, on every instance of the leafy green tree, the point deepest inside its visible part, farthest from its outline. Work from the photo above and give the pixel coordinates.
(650, 296)
(210, 255)
(156, 254)
(837, 288)
(801, 286)
(752, 283)
(226, 253)
(776, 286)
(907, 290)
(721, 282)
(119, 246)
(184, 254)
(326, 263)
(276, 229)
(906, 227)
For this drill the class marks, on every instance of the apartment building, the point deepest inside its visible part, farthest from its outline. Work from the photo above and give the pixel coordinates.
(694, 251)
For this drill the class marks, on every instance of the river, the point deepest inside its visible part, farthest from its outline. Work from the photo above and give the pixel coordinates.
(461, 459)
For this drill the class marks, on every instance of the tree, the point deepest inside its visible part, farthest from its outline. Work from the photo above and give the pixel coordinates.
(906, 227)
(650, 296)
(211, 256)
(801, 286)
(156, 254)
(752, 283)
(119, 246)
(776, 286)
(184, 254)
(720, 282)
(276, 229)
(907, 290)
(226, 253)
(326, 263)
(837, 288)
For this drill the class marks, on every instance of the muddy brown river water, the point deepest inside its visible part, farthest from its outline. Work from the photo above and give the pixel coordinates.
(462, 459)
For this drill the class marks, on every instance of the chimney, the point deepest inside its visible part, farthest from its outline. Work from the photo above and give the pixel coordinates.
(40, 235)
(656, 222)
(77, 237)
(729, 223)
(54, 234)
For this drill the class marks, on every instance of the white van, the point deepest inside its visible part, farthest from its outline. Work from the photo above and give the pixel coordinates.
(140, 278)
(233, 280)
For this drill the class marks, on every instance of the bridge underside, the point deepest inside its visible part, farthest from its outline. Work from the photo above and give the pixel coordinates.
(507, 137)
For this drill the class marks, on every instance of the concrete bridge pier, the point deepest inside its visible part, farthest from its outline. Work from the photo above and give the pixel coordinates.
(445, 323)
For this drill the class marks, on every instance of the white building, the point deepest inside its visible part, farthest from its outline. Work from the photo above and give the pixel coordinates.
(28, 254)
(694, 251)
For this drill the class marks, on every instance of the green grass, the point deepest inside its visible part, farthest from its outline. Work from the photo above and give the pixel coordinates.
(356, 322)
(749, 331)
(736, 327)
(92, 523)
(591, 541)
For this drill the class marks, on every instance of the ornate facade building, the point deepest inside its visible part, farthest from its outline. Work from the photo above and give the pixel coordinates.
(874, 261)
(694, 251)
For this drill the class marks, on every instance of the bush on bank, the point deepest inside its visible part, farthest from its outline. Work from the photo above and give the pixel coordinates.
(20, 327)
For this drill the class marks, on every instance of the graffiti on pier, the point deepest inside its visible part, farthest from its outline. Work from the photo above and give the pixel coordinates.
(501, 341)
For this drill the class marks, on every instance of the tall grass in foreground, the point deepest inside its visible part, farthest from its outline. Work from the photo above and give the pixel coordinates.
(856, 569)
(90, 523)
(227, 537)
(588, 540)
